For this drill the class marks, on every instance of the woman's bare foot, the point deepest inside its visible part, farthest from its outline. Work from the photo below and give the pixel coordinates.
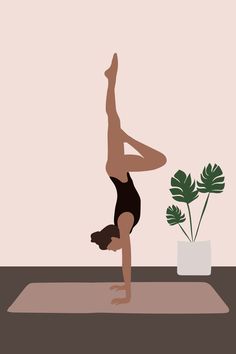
(111, 72)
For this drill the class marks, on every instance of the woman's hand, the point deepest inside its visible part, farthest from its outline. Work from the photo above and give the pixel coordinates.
(118, 287)
(120, 300)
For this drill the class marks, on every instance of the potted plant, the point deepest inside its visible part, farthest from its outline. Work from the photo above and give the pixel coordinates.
(193, 258)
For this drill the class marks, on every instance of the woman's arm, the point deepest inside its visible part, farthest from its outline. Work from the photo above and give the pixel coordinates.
(126, 269)
(125, 223)
(126, 265)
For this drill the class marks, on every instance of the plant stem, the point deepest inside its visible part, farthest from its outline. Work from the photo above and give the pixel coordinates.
(184, 232)
(190, 219)
(204, 208)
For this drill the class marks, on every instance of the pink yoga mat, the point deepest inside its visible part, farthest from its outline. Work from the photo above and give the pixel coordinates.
(147, 297)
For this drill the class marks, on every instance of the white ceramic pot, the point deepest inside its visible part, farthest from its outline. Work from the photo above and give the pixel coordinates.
(194, 258)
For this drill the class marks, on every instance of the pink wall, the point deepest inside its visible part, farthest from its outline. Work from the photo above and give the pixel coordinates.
(175, 92)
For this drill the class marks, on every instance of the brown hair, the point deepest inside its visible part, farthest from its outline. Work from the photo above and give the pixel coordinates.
(103, 238)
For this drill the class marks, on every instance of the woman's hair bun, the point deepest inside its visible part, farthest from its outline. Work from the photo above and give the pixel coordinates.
(103, 238)
(95, 236)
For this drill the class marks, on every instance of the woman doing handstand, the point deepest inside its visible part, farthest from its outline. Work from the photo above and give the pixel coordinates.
(118, 166)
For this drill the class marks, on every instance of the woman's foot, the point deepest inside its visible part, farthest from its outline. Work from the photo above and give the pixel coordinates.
(111, 72)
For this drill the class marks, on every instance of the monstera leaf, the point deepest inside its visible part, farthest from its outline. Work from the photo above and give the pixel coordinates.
(212, 180)
(184, 190)
(174, 215)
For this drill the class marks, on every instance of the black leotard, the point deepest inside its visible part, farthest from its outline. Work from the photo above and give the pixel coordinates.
(128, 199)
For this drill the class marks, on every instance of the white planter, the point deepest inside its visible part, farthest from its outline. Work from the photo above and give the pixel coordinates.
(194, 258)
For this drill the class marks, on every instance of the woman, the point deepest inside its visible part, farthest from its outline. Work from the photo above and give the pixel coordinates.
(118, 166)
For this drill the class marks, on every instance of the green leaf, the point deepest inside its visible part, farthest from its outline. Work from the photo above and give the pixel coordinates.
(212, 180)
(174, 215)
(186, 190)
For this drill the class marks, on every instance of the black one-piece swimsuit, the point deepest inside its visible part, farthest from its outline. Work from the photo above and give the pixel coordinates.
(128, 199)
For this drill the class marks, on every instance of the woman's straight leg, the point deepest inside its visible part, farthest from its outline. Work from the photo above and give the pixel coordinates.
(115, 138)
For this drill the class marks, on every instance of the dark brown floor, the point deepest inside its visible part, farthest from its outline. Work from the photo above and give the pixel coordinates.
(115, 333)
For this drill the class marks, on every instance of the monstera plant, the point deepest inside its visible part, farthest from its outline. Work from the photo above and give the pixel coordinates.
(184, 190)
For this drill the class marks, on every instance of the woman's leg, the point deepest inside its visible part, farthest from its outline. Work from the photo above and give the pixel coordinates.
(117, 160)
(150, 159)
(115, 138)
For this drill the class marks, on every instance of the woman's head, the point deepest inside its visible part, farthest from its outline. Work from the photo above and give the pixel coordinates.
(107, 238)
